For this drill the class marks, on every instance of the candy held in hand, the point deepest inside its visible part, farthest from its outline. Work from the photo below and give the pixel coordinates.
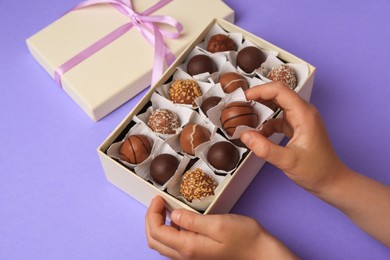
(163, 167)
(135, 149)
(231, 81)
(197, 185)
(221, 42)
(193, 135)
(209, 103)
(238, 113)
(200, 64)
(285, 74)
(184, 91)
(223, 156)
(250, 58)
(163, 121)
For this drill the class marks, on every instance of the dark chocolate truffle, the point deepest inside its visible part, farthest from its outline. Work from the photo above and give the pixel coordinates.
(163, 121)
(250, 58)
(200, 64)
(221, 42)
(197, 185)
(209, 103)
(184, 91)
(193, 135)
(135, 149)
(238, 113)
(163, 167)
(231, 81)
(223, 156)
(285, 74)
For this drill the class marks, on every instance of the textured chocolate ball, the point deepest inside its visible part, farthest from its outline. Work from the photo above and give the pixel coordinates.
(209, 103)
(250, 58)
(184, 91)
(197, 185)
(193, 135)
(231, 81)
(163, 121)
(163, 167)
(238, 113)
(223, 156)
(200, 64)
(285, 74)
(221, 42)
(135, 149)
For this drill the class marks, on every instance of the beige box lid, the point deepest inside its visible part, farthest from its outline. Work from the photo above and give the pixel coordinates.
(122, 69)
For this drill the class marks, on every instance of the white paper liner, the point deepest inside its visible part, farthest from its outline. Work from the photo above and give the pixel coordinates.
(205, 149)
(158, 101)
(262, 111)
(138, 129)
(144, 170)
(174, 141)
(163, 90)
(174, 187)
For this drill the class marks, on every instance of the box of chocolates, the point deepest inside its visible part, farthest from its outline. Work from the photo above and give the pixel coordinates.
(181, 141)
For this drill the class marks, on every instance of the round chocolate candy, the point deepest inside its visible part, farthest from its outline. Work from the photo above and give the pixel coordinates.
(231, 81)
(197, 185)
(193, 135)
(223, 156)
(184, 91)
(285, 74)
(200, 64)
(250, 58)
(135, 149)
(163, 121)
(209, 103)
(238, 113)
(163, 167)
(221, 42)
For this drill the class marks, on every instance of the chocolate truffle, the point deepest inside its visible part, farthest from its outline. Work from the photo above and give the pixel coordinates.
(163, 121)
(231, 81)
(184, 91)
(209, 103)
(197, 185)
(223, 156)
(193, 135)
(163, 167)
(200, 64)
(221, 42)
(285, 74)
(238, 113)
(135, 149)
(250, 58)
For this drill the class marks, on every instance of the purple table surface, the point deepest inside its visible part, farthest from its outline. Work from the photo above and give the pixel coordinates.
(55, 202)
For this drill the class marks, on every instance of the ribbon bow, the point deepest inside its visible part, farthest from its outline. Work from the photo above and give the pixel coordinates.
(144, 22)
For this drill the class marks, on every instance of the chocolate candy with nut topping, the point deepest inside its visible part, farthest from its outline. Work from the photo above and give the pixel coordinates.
(197, 185)
(135, 149)
(231, 81)
(238, 113)
(184, 91)
(223, 156)
(163, 121)
(200, 64)
(163, 167)
(250, 58)
(285, 74)
(221, 42)
(193, 135)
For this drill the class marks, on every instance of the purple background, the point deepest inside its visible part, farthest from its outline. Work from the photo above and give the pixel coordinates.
(55, 202)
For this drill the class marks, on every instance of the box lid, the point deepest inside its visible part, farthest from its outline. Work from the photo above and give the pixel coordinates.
(123, 68)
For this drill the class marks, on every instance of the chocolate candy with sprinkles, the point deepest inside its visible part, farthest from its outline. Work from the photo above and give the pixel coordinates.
(238, 113)
(285, 74)
(200, 64)
(193, 135)
(197, 185)
(231, 81)
(135, 149)
(163, 121)
(184, 91)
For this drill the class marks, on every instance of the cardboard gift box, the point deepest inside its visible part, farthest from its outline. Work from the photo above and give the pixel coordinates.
(107, 79)
(235, 183)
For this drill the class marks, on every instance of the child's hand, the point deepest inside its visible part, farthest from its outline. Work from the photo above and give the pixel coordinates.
(308, 159)
(209, 236)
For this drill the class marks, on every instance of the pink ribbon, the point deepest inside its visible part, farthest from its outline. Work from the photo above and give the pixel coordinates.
(144, 22)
